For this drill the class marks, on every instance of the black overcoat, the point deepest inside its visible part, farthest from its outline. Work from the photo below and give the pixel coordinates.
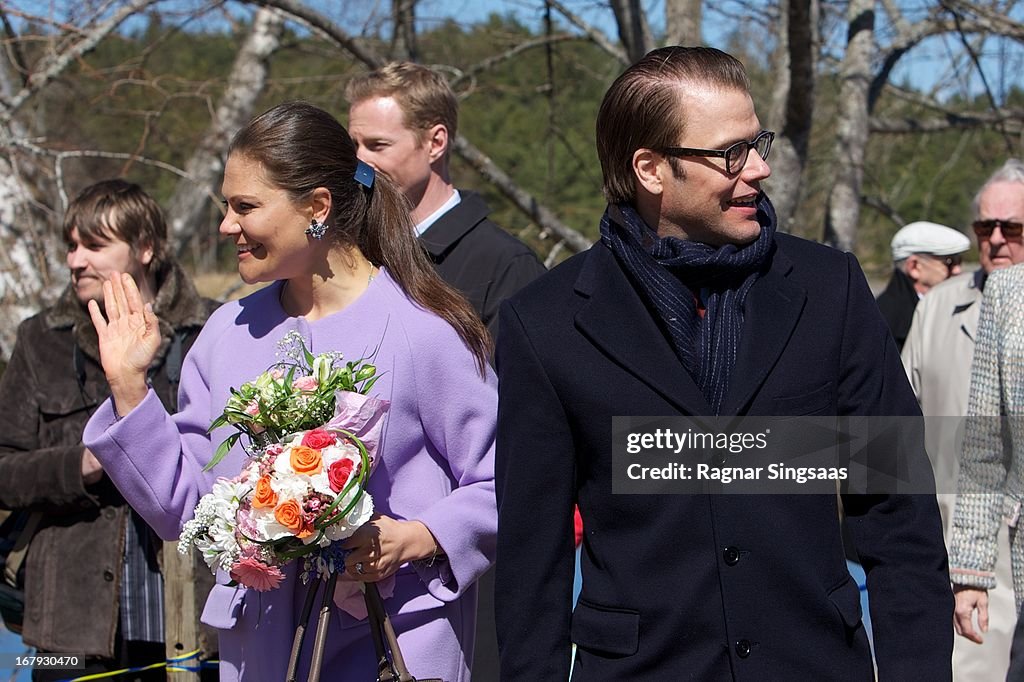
(703, 587)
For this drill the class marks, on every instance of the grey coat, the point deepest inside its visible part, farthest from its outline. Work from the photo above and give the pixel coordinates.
(74, 564)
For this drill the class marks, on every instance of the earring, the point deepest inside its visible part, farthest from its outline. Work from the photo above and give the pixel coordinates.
(316, 229)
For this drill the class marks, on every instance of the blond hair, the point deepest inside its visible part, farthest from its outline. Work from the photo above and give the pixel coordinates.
(423, 95)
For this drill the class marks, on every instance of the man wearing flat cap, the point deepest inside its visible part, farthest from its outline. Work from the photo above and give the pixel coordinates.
(923, 254)
(938, 357)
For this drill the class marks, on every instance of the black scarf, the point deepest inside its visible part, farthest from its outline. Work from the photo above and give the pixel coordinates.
(671, 273)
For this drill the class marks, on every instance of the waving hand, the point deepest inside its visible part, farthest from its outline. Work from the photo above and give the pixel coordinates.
(129, 338)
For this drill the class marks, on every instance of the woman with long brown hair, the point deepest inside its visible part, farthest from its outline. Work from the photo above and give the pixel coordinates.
(336, 242)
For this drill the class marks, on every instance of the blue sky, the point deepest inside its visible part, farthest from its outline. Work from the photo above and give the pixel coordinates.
(932, 63)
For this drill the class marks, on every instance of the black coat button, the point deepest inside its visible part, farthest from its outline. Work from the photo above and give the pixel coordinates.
(731, 556)
(108, 575)
(743, 648)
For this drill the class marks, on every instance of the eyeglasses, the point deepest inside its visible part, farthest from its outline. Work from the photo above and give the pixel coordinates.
(951, 262)
(1010, 229)
(735, 155)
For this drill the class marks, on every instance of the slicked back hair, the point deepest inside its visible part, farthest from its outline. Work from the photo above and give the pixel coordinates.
(642, 108)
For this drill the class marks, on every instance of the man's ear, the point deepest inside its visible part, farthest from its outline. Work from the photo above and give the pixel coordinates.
(437, 141)
(320, 203)
(648, 169)
(912, 267)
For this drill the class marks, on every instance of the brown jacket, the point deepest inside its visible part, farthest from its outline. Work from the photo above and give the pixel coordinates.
(74, 563)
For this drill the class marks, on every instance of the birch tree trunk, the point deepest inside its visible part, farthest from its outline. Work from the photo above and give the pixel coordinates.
(793, 106)
(32, 271)
(189, 207)
(843, 208)
(682, 22)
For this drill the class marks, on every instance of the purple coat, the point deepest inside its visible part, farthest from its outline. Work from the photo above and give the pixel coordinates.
(435, 464)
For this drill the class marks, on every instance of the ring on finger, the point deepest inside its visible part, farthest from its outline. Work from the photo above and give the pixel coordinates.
(359, 568)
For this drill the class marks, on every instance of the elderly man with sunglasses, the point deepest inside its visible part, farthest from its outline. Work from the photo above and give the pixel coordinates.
(938, 357)
(693, 307)
(923, 255)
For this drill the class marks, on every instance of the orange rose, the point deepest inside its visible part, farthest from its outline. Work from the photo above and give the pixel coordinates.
(264, 495)
(306, 460)
(289, 515)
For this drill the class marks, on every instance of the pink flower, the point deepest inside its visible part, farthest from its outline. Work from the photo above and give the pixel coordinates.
(318, 439)
(338, 474)
(276, 373)
(257, 575)
(246, 522)
(252, 409)
(305, 384)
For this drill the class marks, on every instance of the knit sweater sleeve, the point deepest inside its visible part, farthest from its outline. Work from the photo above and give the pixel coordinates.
(982, 475)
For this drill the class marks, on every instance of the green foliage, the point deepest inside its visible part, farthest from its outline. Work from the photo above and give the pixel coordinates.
(153, 93)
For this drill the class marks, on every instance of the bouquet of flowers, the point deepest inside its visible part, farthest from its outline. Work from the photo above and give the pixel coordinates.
(312, 433)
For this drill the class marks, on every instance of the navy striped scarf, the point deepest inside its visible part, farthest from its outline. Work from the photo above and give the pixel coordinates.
(671, 273)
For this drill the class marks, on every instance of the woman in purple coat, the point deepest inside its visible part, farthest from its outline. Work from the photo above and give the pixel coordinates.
(348, 276)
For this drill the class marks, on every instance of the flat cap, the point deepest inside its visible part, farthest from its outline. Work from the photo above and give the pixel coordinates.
(931, 238)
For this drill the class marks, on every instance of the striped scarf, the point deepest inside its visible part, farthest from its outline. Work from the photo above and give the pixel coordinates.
(672, 273)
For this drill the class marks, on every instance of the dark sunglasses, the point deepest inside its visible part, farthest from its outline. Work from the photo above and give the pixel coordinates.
(1009, 228)
(951, 262)
(735, 155)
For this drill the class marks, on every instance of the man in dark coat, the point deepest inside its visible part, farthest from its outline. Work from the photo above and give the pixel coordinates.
(92, 579)
(692, 305)
(923, 254)
(403, 119)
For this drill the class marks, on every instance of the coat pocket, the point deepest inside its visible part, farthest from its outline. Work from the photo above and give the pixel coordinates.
(223, 607)
(818, 401)
(605, 629)
(846, 599)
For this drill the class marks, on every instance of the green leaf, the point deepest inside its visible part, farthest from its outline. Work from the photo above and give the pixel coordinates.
(222, 450)
(218, 422)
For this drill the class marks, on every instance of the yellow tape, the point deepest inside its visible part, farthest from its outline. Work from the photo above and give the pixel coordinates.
(169, 664)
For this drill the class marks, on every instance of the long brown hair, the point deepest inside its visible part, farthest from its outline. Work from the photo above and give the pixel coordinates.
(301, 148)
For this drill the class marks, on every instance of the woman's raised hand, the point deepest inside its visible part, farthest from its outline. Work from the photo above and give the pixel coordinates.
(129, 338)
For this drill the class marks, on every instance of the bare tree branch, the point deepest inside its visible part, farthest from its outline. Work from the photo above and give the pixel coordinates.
(884, 209)
(599, 38)
(1011, 123)
(326, 28)
(523, 200)
(494, 60)
(54, 66)
(59, 156)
